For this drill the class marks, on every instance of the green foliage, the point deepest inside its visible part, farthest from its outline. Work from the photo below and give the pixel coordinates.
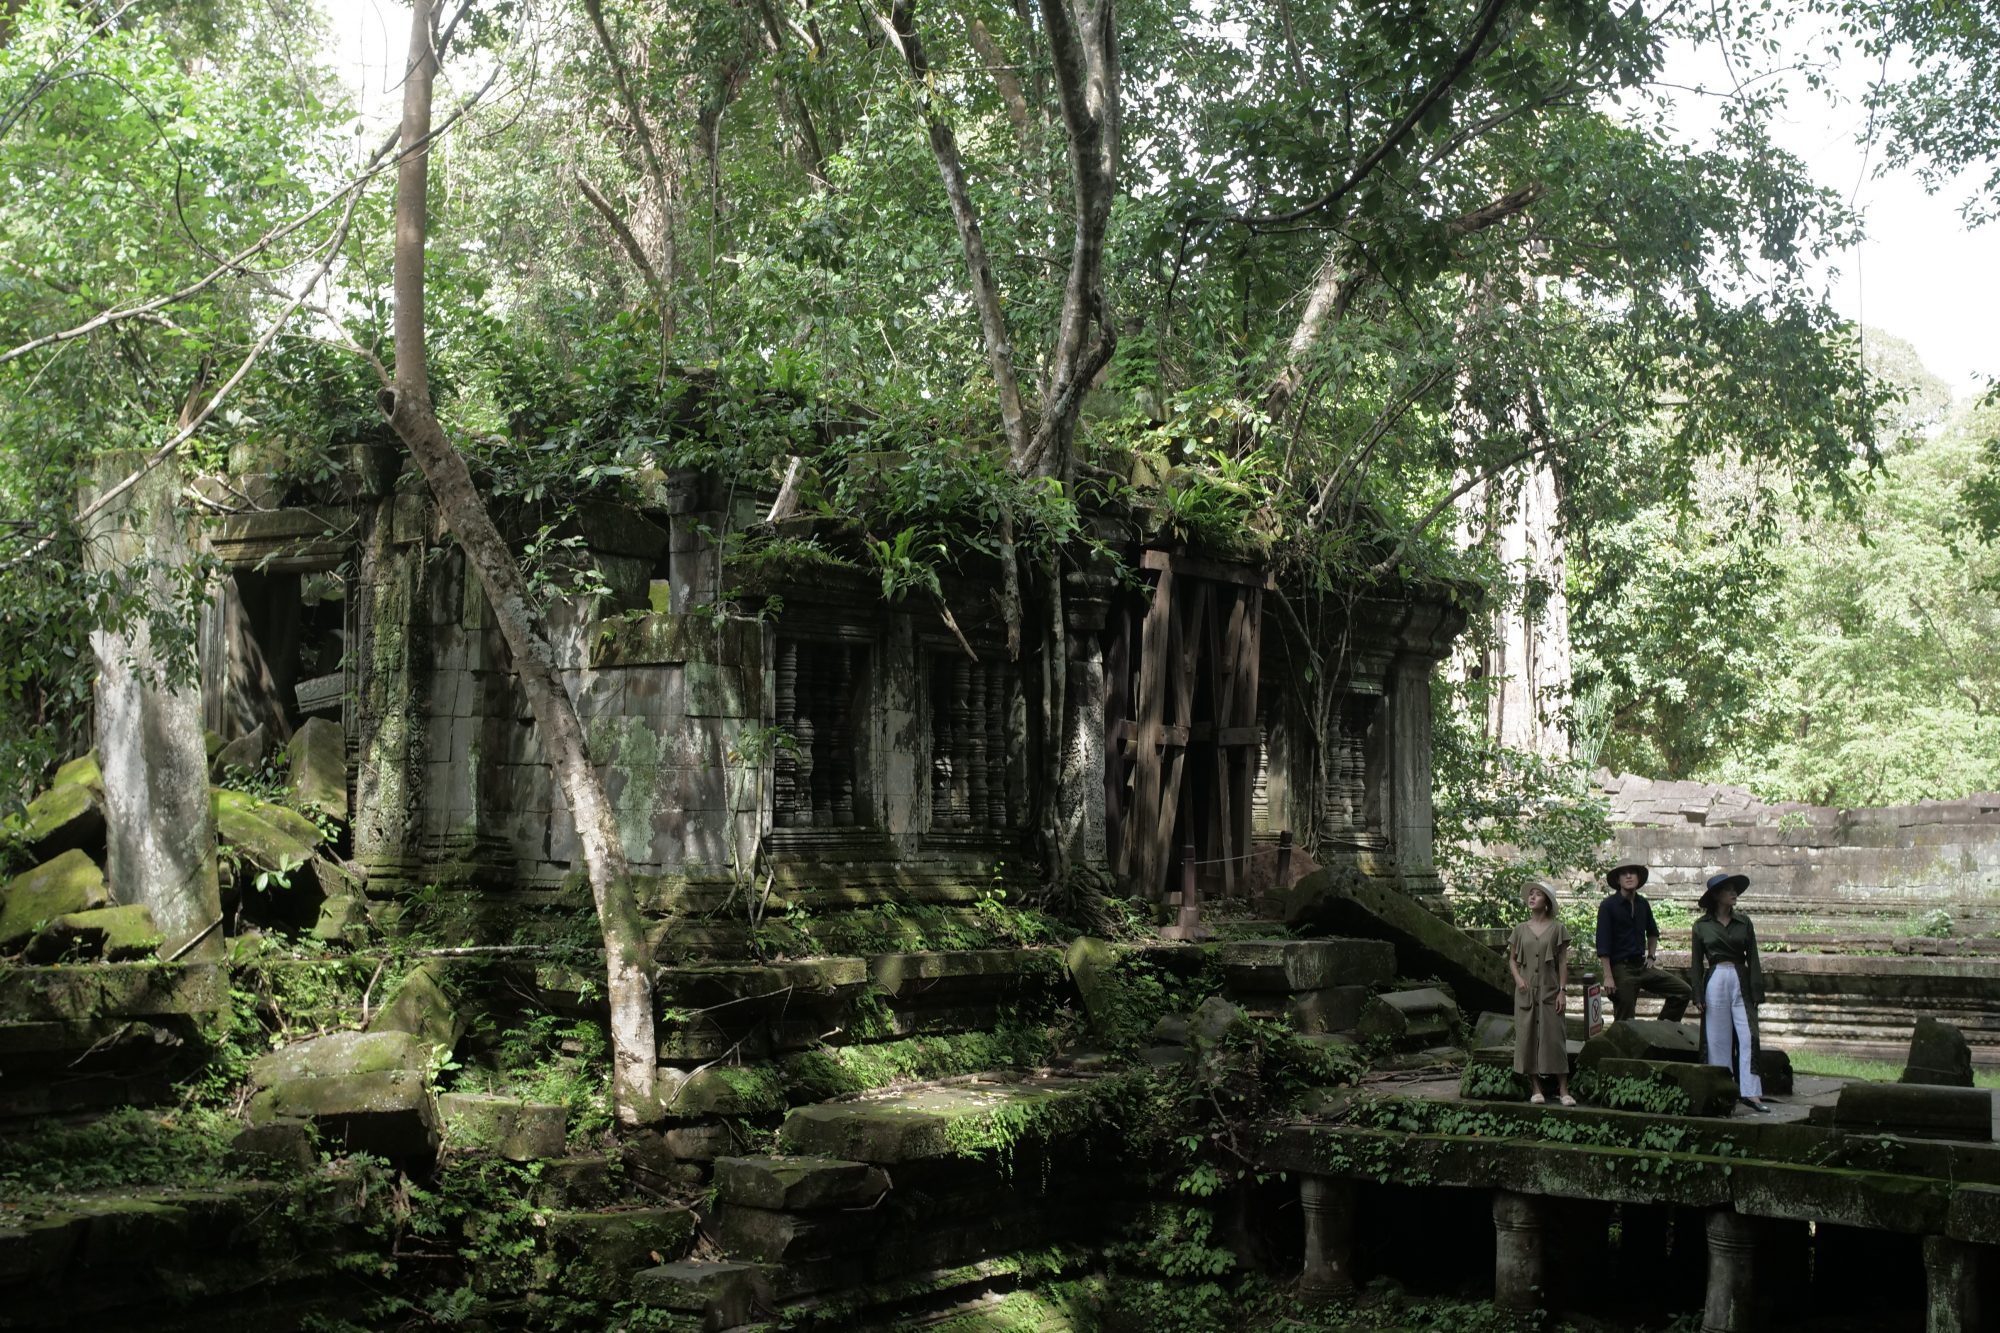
(1506, 816)
(550, 1059)
(1489, 1082)
(1653, 1096)
(836, 1071)
(128, 1148)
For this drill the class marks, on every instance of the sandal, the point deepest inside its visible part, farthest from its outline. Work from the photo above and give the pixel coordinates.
(1567, 1100)
(1537, 1100)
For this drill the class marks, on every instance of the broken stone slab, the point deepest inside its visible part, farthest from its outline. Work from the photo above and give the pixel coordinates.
(342, 919)
(245, 753)
(798, 1184)
(1709, 1090)
(1331, 1009)
(724, 1295)
(265, 834)
(1339, 899)
(1939, 1055)
(575, 1184)
(937, 1123)
(1491, 1029)
(699, 1143)
(1774, 1071)
(593, 1255)
(338, 1054)
(71, 882)
(1213, 1021)
(1644, 1039)
(385, 1112)
(116, 934)
(81, 771)
(1915, 1110)
(509, 1127)
(1303, 965)
(94, 991)
(761, 988)
(66, 817)
(1093, 965)
(423, 1008)
(318, 759)
(279, 1147)
(723, 1090)
(761, 1235)
(951, 972)
(1427, 1012)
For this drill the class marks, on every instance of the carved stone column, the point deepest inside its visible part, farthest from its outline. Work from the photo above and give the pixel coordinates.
(1955, 1271)
(1328, 1205)
(390, 668)
(1731, 1306)
(1520, 1255)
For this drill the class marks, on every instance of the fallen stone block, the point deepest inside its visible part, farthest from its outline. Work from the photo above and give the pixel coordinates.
(573, 1184)
(1491, 1029)
(724, 1295)
(1664, 1087)
(510, 1127)
(71, 882)
(1774, 1071)
(592, 1256)
(66, 817)
(81, 771)
(1939, 1054)
(939, 1122)
(1303, 965)
(318, 759)
(363, 1091)
(245, 753)
(1339, 900)
(1427, 1012)
(699, 1143)
(954, 972)
(1915, 1110)
(422, 1008)
(798, 1184)
(1330, 1009)
(388, 1113)
(761, 1235)
(342, 919)
(265, 834)
(116, 934)
(279, 1147)
(1644, 1039)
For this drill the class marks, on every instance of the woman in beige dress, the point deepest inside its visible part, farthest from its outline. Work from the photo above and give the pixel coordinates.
(1538, 956)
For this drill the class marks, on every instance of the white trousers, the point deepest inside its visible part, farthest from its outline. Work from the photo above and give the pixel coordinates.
(1722, 1007)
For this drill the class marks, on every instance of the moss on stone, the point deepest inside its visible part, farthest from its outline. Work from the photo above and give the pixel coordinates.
(70, 883)
(264, 833)
(112, 933)
(837, 1071)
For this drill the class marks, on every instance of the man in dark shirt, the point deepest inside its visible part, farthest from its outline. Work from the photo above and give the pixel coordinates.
(1628, 949)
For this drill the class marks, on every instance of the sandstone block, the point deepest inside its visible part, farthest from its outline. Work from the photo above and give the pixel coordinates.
(385, 1112)
(116, 934)
(1710, 1090)
(1300, 965)
(318, 755)
(761, 1235)
(1939, 1054)
(724, 1295)
(66, 817)
(280, 1147)
(1644, 1039)
(422, 1008)
(594, 1255)
(71, 882)
(513, 1128)
(798, 1183)
(1916, 1110)
(265, 834)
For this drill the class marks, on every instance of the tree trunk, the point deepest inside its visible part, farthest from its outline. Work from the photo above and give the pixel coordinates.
(628, 968)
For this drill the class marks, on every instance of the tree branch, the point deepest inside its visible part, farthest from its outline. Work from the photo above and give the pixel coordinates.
(626, 240)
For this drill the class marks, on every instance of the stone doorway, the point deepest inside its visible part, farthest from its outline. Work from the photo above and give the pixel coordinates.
(1182, 740)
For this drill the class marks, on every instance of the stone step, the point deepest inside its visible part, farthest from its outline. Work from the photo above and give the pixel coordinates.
(975, 1119)
(1409, 1019)
(1281, 965)
(718, 1295)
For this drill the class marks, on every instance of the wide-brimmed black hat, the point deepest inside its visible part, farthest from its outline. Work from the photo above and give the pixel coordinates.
(1716, 884)
(1611, 875)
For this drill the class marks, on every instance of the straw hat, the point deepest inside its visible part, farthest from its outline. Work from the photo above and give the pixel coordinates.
(1555, 899)
(1611, 875)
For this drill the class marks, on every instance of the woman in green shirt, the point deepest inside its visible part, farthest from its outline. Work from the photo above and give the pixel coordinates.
(1729, 984)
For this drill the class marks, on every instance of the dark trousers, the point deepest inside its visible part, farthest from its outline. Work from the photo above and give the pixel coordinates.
(1633, 977)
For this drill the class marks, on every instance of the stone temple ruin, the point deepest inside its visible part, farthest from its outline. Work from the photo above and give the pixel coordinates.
(894, 1085)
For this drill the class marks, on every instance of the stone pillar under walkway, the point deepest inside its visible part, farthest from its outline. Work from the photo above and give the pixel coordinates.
(1520, 1255)
(1328, 1205)
(1956, 1273)
(1731, 1306)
